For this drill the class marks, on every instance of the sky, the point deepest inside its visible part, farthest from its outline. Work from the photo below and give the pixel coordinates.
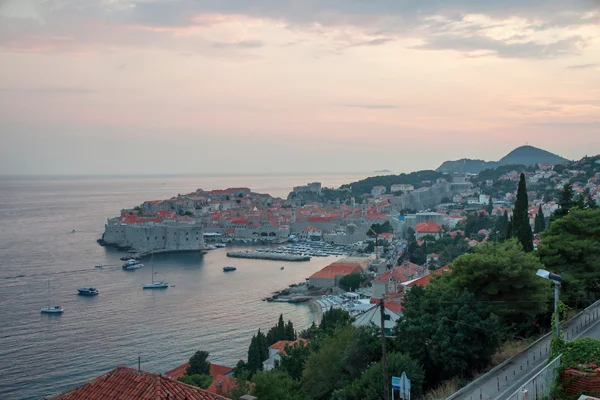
(259, 86)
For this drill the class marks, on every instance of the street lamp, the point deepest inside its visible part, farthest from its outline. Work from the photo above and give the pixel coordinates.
(557, 279)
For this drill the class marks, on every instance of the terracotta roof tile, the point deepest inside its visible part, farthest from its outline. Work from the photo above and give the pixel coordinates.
(333, 270)
(123, 383)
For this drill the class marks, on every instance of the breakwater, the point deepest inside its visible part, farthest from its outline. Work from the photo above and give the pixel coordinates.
(267, 256)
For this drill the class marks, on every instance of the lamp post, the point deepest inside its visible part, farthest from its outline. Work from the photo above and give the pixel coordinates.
(557, 279)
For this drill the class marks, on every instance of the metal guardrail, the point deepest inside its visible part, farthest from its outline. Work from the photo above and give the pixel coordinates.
(539, 386)
(571, 329)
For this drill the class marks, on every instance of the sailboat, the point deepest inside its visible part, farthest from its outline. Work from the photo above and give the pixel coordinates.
(51, 309)
(155, 284)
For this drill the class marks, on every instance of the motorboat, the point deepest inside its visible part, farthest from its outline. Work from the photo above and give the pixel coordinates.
(220, 245)
(282, 267)
(229, 268)
(132, 264)
(88, 291)
(99, 265)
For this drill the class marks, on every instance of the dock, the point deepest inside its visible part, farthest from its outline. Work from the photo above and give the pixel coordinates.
(267, 256)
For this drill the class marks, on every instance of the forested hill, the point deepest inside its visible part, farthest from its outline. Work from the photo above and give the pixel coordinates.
(417, 179)
(524, 155)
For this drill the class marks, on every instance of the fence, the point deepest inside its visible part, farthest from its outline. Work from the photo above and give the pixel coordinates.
(540, 385)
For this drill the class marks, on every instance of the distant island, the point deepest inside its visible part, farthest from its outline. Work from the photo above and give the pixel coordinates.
(524, 155)
(383, 171)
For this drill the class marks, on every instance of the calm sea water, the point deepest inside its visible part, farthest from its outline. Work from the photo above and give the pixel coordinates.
(41, 355)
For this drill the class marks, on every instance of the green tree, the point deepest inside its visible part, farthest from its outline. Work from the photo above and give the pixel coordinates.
(565, 201)
(276, 385)
(290, 333)
(294, 359)
(334, 318)
(386, 227)
(363, 349)
(448, 331)
(540, 222)
(500, 226)
(571, 248)
(490, 206)
(509, 229)
(580, 201)
(202, 381)
(370, 384)
(198, 364)
(254, 358)
(503, 276)
(323, 370)
(350, 281)
(520, 224)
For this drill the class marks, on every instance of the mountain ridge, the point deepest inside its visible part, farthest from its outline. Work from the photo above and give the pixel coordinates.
(523, 155)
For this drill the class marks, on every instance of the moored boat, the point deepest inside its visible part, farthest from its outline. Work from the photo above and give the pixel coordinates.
(51, 309)
(88, 291)
(229, 268)
(155, 284)
(132, 264)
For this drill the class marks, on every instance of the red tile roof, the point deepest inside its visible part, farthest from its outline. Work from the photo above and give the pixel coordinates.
(333, 270)
(393, 306)
(123, 383)
(215, 369)
(280, 345)
(427, 227)
(228, 383)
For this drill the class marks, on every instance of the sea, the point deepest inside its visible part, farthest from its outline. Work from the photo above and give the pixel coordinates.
(43, 261)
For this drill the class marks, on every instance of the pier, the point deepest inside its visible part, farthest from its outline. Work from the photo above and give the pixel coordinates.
(267, 256)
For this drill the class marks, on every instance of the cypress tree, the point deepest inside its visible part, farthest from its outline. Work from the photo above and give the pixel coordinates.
(254, 361)
(520, 226)
(580, 202)
(290, 333)
(540, 223)
(565, 202)
(509, 229)
(490, 206)
(263, 347)
(280, 335)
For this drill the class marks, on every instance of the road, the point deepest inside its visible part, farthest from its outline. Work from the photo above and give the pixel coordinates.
(504, 380)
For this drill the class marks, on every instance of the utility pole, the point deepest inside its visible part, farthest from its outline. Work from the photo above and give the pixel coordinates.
(386, 388)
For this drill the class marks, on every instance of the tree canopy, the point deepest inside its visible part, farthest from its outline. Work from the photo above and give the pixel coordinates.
(350, 281)
(370, 385)
(571, 248)
(323, 370)
(448, 331)
(276, 385)
(503, 276)
(199, 364)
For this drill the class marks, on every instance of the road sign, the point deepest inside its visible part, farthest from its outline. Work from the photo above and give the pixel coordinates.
(395, 383)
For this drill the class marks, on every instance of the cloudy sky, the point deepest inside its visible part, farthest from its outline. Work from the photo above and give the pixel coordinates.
(228, 86)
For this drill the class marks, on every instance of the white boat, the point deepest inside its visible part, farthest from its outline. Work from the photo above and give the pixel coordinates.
(132, 264)
(51, 309)
(99, 265)
(88, 291)
(155, 284)
(220, 245)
